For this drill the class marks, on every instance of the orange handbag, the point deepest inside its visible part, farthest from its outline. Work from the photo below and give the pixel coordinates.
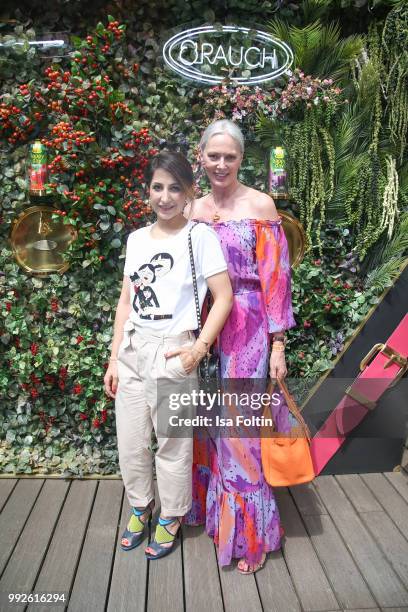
(286, 458)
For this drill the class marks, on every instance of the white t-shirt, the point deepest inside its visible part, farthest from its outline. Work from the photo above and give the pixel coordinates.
(162, 295)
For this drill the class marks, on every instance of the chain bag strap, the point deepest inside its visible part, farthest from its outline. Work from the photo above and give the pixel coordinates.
(208, 368)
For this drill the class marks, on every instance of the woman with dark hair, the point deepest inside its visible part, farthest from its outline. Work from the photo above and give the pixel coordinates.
(230, 492)
(154, 341)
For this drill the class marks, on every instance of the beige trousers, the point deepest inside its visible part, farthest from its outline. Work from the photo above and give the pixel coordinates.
(142, 368)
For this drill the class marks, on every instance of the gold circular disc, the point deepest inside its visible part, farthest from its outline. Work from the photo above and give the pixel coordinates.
(39, 242)
(296, 237)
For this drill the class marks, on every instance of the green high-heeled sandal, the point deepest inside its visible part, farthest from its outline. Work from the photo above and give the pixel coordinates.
(163, 536)
(135, 537)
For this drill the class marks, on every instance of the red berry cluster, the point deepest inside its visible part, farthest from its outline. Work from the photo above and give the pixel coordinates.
(64, 132)
(117, 109)
(24, 90)
(54, 304)
(15, 126)
(46, 420)
(113, 27)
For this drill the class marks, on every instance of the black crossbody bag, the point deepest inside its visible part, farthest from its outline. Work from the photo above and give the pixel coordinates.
(209, 367)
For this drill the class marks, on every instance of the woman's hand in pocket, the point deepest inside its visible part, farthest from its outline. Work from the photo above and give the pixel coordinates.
(189, 355)
(111, 379)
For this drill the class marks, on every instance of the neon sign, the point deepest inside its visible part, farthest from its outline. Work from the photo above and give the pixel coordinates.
(251, 57)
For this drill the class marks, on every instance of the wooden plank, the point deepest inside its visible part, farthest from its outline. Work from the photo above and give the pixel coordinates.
(307, 500)
(345, 579)
(25, 562)
(391, 501)
(358, 493)
(90, 588)
(129, 576)
(58, 570)
(399, 481)
(379, 575)
(165, 588)
(389, 538)
(6, 487)
(200, 568)
(15, 514)
(310, 581)
(275, 586)
(239, 592)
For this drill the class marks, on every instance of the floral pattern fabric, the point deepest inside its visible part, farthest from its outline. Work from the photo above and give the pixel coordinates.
(230, 493)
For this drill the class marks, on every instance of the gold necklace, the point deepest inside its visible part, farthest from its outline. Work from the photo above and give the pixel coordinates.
(216, 215)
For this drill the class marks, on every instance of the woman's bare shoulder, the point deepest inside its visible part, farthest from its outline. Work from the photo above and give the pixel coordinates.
(197, 210)
(262, 205)
(200, 208)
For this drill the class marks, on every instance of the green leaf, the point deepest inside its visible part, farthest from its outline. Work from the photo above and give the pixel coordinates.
(76, 41)
(22, 184)
(10, 435)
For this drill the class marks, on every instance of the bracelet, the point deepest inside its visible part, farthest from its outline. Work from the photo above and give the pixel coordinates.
(207, 344)
(278, 347)
(200, 355)
(112, 359)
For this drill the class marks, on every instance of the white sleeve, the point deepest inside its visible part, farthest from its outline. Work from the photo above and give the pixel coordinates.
(127, 270)
(208, 256)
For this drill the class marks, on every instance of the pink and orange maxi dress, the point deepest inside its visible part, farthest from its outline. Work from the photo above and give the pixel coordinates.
(230, 494)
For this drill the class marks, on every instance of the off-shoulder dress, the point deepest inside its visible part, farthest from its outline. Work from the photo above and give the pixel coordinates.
(230, 494)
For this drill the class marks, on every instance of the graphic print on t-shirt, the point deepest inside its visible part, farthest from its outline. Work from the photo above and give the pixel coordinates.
(145, 301)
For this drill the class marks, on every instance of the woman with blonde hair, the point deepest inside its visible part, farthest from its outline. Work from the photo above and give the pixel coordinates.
(230, 492)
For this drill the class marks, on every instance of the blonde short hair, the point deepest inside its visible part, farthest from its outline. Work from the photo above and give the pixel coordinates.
(223, 126)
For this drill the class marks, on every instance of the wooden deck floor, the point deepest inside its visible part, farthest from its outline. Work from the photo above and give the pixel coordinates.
(346, 548)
